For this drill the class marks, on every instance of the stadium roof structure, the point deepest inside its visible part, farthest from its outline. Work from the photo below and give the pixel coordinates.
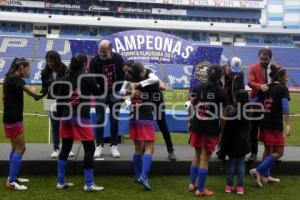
(140, 23)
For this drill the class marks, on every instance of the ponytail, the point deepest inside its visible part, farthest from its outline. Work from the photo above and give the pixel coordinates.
(215, 72)
(77, 64)
(277, 73)
(16, 64)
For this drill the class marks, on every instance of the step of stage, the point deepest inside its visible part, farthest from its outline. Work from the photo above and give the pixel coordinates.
(37, 161)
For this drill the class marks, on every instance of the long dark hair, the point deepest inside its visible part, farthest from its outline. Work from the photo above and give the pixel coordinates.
(214, 73)
(129, 63)
(277, 74)
(77, 64)
(59, 66)
(242, 97)
(135, 72)
(16, 64)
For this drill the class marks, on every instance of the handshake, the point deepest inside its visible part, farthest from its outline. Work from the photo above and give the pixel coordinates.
(38, 96)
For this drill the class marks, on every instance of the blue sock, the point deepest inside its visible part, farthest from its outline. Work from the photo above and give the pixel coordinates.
(89, 177)
(202, 174)
(137, 165)
(147, 162)
(267, 163)
(61, 171)
(15, 166)
(193, 174)
(267, 173)
(10, 160)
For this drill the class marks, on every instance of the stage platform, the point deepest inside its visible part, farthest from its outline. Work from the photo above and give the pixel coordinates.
(37, 161)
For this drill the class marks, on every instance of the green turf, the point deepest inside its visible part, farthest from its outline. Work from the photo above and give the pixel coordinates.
(37, 126)
(173, 188)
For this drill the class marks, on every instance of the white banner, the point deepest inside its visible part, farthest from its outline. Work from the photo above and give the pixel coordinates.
(20, 3)
(62, 6)
(99, 8)
(162, 11)
(133, 10)
(210, 3)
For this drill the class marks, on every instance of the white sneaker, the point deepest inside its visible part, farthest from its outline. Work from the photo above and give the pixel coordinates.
(16, 186)
(98, 151)
(114, 151)
(93, 188)
(64, 186)
(270, 179)
(71, 154)
(20, 180)
(54, 154)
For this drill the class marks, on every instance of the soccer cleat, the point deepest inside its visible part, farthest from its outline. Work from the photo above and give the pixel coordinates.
(93, 188)
(229, 189)
(54, 154)
(16, 186)
(240, 190)
(256, 177)
(98, 151)
(270, 179)
(64, 186)
(139, 180)
(114, 151)
(206, 193)
(71, 154)
(192, 187)
(20, 180)
(146, 184)
(172, 156)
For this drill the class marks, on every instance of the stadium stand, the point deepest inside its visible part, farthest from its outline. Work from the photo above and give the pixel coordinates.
(16, 46)
(288, 57)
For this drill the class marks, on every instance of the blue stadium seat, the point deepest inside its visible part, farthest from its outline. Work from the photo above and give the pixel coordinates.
(294, 75)
(16, 46)
(60, 45)
(288, 57)
(248, 55)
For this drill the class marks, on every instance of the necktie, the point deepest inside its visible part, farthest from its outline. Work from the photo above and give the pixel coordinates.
(266, 74)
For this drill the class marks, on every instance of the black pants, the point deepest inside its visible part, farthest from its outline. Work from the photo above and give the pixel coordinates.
(114, 122)
(55, 132)
(254, 136)
(162, 124)
(89, 149)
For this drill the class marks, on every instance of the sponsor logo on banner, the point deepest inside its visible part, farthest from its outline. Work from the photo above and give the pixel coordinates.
(99, 8)
(210, 3)
(161, 11)
(201, 71)
(133, 10)
(62, 6)
(11, 2)
(218, 2)
(19, 3)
